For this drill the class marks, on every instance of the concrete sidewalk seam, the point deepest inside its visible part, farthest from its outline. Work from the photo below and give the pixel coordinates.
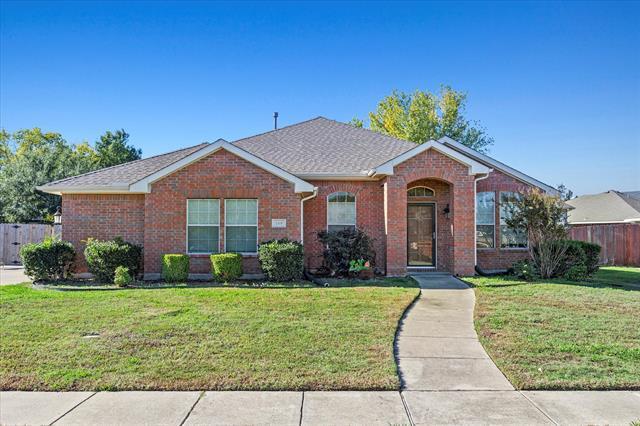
(192, 407)
(538, 408)
(406, 408)
(73, 408)
(442, 357)
(301, 408)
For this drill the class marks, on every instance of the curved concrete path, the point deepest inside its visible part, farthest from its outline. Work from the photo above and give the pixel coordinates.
(438, 349)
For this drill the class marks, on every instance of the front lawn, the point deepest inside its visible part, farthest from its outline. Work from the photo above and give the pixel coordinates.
(563, 335)
(201, 338)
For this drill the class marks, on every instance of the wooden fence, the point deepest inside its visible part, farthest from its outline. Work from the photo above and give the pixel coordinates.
(14, 235)
(620, 242)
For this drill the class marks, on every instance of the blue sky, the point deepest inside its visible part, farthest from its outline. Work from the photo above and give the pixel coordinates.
(556, 84)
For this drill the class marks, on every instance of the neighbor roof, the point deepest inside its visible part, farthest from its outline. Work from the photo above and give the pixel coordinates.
(608, 207)
(324, 147)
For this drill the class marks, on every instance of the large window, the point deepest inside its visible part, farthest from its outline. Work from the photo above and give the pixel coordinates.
(203, 226)
(341, 211)
(241, 226)
(485, 219)
(510, 238)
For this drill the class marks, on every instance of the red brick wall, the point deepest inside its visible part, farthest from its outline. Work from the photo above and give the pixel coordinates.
(220, 175)
(369, 217)
(497, 258)
(432, 165)
(101, 216)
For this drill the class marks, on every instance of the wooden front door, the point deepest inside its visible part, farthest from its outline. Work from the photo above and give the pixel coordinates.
(421, 235)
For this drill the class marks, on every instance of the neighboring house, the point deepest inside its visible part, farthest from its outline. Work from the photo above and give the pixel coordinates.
(612, 220)
(436, 205)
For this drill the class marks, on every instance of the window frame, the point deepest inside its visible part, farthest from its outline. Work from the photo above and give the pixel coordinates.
(257, 225)
(421, 196)
(526, 247)
(187, 225)
(494, 247)
(355, 210)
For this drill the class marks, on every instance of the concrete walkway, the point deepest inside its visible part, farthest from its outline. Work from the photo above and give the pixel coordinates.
(438, 349)
(319, 408)
(12, 275)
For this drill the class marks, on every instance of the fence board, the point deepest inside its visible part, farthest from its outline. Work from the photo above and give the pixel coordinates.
(15, 235)
(620, 242)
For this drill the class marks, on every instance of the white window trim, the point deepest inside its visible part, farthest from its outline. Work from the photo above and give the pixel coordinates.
(422, 186)
(355, 210)
(500, 225)
(243, 253)
(186, 236)
(495, 206)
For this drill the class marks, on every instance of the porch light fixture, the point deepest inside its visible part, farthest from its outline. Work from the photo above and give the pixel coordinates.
(447, 212)
(57, 216)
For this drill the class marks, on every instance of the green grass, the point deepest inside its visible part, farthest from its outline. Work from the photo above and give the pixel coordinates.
(558, 334)
(201, 338)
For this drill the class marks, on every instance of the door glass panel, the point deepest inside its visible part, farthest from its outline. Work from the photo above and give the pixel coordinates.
(420, 234)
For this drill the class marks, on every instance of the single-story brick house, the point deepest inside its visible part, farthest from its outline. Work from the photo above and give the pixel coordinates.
(435, 205)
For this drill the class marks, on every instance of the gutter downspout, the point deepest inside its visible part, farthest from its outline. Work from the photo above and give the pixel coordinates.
(475, 218)
(314, 195)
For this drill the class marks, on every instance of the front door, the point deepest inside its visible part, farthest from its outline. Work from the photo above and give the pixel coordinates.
(421, 235)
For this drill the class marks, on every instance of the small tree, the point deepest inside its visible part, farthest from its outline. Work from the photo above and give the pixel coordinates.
(543, 218)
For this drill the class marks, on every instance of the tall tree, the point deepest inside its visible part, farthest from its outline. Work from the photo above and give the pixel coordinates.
(422, 116)
(113, 148)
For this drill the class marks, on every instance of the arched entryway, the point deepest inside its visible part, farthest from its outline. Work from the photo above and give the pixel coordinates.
(429, 232)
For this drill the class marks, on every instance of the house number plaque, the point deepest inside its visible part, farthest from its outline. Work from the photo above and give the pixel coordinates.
(278, 223)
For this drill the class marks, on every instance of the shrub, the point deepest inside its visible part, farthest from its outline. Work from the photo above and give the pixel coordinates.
(49, 260)
(524, 269)
(580, 256)
(226, 266)
(103, 257)
(343, 246)
(592, 256)
(175, 268)
(281, 260)
(577, 272)
(122, 278)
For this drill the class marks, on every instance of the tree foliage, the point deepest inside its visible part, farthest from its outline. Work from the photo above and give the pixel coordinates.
(422, 116)
(31, 157)
(543, 218)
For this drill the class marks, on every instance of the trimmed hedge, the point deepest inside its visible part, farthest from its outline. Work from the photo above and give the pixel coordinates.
(281, 260)
(582, 259)
(226, 266)
(122, 277)
(103, 257)
(49, 260)
(175, 268)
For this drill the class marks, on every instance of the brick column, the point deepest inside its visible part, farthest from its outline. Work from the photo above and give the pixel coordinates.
(395, 199)
(463, 227)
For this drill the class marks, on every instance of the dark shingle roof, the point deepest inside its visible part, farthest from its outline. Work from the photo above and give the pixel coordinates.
(127, 173)
(322, 146)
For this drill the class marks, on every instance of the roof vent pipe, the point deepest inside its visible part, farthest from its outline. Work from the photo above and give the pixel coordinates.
(275, 121)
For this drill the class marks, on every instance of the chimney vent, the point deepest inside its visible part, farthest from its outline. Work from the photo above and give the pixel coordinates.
(275, 121)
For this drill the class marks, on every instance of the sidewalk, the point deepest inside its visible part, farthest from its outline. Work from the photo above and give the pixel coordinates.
(315, 408)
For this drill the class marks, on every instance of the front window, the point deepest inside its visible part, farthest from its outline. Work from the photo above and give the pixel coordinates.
(420, 191)
(341, 211)
(510, 238)
(241, 226)
(485, 219)
(203, 226)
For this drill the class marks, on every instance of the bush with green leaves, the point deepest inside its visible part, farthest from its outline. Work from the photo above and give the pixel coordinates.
(581, 260)
(524, 269)
(52, 259)
(103, 257)
(341, 247)
(226, 267)
(122, 278)
(577, 272)
(175, 268)
(281, 260)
